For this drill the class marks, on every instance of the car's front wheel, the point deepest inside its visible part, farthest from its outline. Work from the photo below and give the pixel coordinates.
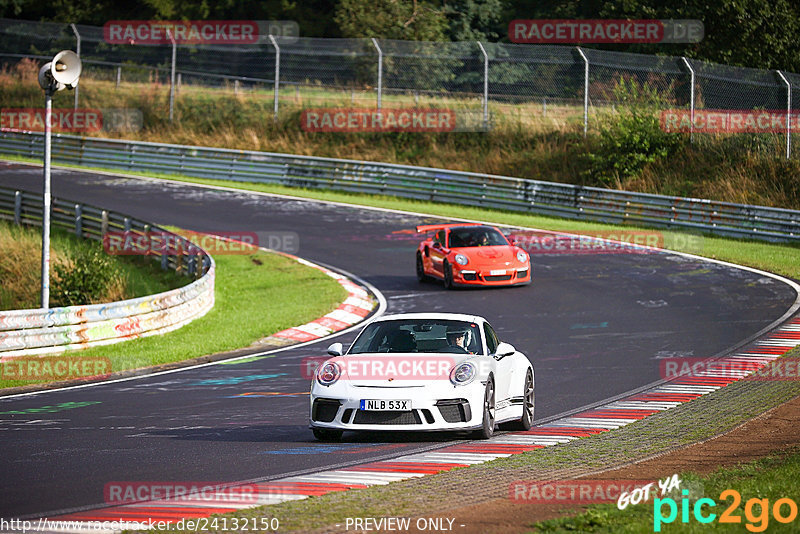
(448, 275)
(421, 276)
(327, 434)
(528, 405)
(487, 429)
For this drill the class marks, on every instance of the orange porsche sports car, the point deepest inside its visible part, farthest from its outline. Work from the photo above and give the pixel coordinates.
(471, 255)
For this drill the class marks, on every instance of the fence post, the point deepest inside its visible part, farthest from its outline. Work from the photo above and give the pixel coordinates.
(119, 77)
(788, 114)
(171, 76)
(691, 98)
(485, 86)
(380, 69)
(18, 207)
(277, 75)
(77, 51)
(585, 91)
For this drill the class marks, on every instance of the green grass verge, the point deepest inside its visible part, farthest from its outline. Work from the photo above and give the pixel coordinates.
(256, 295)
(782, 259)
(772, 478)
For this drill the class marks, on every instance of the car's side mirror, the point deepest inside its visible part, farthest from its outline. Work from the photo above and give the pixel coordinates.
(503, 350)
(335, 349)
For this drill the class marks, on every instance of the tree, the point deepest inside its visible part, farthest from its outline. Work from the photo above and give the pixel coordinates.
(751, 33)
(417, 20)
(475, 20)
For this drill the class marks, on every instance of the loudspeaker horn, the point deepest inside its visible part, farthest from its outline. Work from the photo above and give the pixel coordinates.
(66, 68)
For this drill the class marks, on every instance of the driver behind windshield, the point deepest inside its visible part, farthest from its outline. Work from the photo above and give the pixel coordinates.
(458, 338)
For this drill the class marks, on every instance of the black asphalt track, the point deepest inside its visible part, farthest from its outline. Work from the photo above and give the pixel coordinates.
(595, 326)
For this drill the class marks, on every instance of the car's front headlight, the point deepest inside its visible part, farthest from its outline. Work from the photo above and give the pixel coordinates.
(521, 256)
(461, 259)
(463, 373)
(328, 373)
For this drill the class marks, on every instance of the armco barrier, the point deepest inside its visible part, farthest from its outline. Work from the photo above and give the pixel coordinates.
(463, 188)
(39, 331)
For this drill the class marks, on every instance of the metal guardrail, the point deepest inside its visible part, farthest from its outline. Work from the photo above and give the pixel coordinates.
(40, 331)
(438, 185)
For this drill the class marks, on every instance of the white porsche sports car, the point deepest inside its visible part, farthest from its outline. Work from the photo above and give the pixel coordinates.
(423, 372)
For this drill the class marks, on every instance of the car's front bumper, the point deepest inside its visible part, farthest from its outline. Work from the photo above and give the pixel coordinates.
(482, 277)
(438, 408)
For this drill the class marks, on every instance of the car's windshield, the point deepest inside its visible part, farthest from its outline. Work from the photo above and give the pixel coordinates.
(476, 236)
(419, 335)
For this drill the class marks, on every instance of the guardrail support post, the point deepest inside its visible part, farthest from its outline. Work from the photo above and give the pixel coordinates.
(78, 220)
(103, 223)
(77, 51)
(585, 91)
(277, 75)
(485, 86)
(171, 76)
(18, 207)
(788, 114)
(380, 70)
(691, 98)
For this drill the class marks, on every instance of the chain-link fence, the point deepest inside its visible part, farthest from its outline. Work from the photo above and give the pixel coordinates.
(578, 84)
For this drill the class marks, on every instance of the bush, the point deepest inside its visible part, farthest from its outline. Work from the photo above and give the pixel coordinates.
(632, 138)
(88, 276)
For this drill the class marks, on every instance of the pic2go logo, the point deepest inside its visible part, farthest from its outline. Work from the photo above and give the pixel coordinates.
(757, 521)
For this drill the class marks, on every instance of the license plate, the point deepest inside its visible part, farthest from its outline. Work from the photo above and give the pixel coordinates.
(497, 272)
(386, 405)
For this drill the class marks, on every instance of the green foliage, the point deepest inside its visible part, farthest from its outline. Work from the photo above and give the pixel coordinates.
(596, 517)
(85, 278)
(475, 20)
(750, 33)
(391, 19)
(633, 138)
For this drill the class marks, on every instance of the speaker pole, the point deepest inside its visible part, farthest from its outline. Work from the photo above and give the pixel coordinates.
(48, 112)
(62, 72)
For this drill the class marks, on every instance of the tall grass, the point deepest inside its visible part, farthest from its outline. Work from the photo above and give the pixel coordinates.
(20, 270)
(526, 140)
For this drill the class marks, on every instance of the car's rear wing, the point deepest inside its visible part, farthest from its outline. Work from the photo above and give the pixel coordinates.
(429, 227)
